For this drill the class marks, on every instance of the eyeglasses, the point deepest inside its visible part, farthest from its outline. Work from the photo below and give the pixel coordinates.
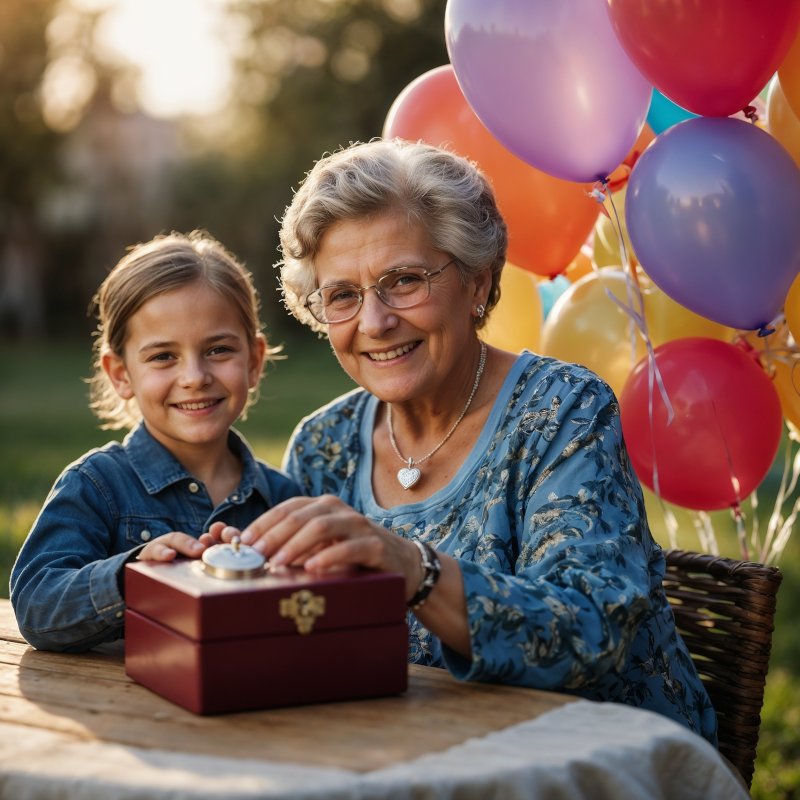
(404, 287)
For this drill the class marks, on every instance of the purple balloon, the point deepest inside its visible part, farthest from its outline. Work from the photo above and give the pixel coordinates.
(550, 80)
(713, 213)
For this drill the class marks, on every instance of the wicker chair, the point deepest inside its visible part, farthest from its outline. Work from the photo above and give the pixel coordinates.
(724, 611)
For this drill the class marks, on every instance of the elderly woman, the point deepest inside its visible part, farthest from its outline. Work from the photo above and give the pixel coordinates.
(497, 484)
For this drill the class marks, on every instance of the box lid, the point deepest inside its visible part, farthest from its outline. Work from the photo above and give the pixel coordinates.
(181, 596)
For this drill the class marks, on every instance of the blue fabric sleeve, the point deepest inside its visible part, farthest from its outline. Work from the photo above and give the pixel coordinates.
(64, 583)
(581, 584)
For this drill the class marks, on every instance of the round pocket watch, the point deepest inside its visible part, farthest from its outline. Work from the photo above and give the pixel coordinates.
(233, 561)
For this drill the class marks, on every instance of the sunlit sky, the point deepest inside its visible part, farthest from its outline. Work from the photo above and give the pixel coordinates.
(177, 45)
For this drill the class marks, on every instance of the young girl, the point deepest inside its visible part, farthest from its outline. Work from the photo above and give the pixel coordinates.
(179, 356)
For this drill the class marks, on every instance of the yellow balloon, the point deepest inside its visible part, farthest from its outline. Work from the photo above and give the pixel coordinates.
(515, 323)
(791, 309)
(780, 357)
(782, 122)
(789, 74)
(586, 326)
(668, 319)
(607, 252)
(786, 378)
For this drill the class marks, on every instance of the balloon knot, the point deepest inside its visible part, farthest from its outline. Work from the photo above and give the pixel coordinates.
(765, 330)
(751, 113)
(599, 192)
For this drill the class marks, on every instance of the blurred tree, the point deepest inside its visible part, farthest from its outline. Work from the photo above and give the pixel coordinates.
(28, 163)
(85, 173)
(311, 76)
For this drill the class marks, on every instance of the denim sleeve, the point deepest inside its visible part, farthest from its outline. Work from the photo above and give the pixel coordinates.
(581, 585)
(64, 587)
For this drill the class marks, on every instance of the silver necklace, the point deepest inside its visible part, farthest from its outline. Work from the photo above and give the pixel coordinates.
(410, 474)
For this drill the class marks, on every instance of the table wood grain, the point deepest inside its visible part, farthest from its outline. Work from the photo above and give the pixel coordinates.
(88, 697)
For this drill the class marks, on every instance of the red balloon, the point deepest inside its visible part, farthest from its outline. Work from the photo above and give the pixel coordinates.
(548, 218)
(725, 432)
(708, 56)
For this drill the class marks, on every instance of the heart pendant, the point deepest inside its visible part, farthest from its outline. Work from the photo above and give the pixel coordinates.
(408, 476)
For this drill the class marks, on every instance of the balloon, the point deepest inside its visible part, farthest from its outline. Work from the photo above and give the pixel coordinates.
(619, 177)
(550, 81)
(712, 211)
(789, 75)
(550, 291)
(606, 232)
(791, 308)
(726, 428)
(782, 122)
(548, 219)
(780, 358)
(586, 327)
(712, 56)
(664, 113)
(580, 265)
(605, 248)
(668, 320)
(515, 323)
(785, 374)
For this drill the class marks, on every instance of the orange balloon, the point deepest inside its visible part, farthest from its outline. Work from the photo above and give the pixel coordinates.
(782, 122)
(580, 265)
(619, 177)
(586, 327)
(789, 74)
(548, 218)
(515, 323)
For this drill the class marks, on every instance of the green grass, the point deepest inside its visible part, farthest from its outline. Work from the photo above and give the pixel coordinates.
(45, 423)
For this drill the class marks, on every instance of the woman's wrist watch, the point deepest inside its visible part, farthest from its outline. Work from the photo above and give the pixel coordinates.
(431, 569)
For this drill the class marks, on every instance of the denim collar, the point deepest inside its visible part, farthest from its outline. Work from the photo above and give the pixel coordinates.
(157, 468)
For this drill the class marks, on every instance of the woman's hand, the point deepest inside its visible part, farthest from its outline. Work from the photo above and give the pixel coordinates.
(168, 546)
(324, 534)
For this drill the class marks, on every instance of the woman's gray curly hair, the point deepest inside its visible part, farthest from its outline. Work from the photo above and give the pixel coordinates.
(444, 192)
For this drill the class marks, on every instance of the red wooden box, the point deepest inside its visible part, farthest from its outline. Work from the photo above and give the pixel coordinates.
(215, 646)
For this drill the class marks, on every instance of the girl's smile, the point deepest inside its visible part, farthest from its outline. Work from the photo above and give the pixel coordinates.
(189, 365)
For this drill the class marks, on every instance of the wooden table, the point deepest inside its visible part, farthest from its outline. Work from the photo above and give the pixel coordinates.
(85, 708)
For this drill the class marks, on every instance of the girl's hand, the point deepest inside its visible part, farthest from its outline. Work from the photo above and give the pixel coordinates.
(324, 534)
(214, 534)
(168, 546)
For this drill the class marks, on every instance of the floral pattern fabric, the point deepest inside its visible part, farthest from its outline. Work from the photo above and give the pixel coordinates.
(562, 577)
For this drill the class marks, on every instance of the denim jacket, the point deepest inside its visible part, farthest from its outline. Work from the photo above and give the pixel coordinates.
(104, 507)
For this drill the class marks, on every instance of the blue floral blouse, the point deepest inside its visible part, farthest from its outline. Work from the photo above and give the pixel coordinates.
(561, 574)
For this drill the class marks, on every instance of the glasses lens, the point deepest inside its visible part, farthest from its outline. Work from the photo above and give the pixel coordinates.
(334, 303)
(404, 288)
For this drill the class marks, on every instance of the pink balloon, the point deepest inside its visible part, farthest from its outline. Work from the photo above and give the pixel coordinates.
(550, 80)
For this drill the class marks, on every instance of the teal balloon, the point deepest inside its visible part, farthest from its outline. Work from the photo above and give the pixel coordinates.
(664, 113)
(551, 290)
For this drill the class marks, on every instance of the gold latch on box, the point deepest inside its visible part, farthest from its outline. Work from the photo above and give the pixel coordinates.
(303, 607)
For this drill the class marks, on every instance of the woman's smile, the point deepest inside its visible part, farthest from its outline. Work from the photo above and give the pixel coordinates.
(393, 354)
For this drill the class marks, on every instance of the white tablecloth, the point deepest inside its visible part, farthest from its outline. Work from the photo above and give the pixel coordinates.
(580, 751)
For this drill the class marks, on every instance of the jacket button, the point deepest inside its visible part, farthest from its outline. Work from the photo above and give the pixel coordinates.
(194, 488)
(119, 614)
(234, 498)
(145, 535)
